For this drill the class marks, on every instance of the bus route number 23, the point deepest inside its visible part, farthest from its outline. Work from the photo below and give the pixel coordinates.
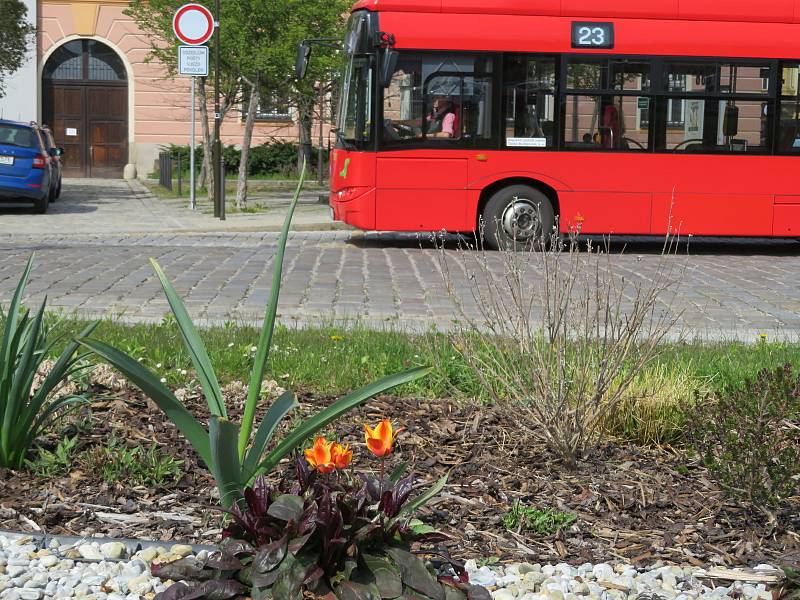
(592, 35)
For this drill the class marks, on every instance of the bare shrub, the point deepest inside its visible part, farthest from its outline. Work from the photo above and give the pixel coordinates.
(560, 332)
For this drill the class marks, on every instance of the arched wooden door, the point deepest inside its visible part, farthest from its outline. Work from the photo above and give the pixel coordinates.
(85, 102)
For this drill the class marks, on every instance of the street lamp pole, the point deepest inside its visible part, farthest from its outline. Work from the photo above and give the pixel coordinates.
(219, 208)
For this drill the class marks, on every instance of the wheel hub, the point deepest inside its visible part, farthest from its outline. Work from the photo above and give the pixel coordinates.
(521, 220)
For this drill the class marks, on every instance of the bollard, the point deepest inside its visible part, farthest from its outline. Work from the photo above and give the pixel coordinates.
(180, 174)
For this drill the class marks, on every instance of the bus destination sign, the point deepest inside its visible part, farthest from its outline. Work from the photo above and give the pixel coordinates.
(592, 35)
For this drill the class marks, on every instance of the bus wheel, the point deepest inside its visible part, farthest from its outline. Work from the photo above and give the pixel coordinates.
(518, 216)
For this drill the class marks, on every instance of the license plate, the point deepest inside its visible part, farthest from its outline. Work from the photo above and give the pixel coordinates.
(6, 160)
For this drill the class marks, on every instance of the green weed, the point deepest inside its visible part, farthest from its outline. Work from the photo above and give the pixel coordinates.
(539, 521)
(55, 463)
(117, 463)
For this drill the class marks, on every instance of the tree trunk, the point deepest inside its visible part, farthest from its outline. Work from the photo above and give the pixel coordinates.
(206, 173)
(305, 112)
(252, 108)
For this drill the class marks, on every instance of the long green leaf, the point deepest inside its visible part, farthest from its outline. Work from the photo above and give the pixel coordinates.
(6, 360)
(8, 352)
(334, 411)
(152, 387)
(194, 344)
(421, 500)
(277, 411)
(60, 371)
(17, 401)
(225, 465)
(268, 327)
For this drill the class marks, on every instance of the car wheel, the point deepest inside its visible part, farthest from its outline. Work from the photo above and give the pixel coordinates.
(517, 217)
(40, 204)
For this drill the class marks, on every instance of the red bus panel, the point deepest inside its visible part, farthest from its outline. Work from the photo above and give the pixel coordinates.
(605, 212)
(770, 11)
(500, 33)
(712, 214)
(507, 7)
(776, 11)
(787, 220)
(665, 9)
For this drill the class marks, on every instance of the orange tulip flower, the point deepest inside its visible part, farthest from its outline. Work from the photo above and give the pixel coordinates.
(319, 455)
(380, 440)
(341, 456)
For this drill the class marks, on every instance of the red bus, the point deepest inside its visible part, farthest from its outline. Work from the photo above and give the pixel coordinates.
(614, 117)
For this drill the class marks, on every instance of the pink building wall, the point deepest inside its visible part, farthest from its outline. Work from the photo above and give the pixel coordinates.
(159, 108)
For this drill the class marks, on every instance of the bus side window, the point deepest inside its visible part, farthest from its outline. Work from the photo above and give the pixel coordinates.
(529, 101)
(788, 140)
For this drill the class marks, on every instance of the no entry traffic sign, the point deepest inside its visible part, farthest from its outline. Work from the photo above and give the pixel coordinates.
(193, 24)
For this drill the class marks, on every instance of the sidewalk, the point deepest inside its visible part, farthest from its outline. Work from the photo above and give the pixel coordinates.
(96, 206)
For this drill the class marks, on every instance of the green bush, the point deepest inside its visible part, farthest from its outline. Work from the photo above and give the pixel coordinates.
(278, 157)
(271, 158)
(748, 438)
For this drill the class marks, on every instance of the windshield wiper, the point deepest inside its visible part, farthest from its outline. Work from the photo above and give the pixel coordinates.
(15, 145)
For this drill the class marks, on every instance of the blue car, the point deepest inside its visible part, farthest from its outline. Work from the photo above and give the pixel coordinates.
(26, 168)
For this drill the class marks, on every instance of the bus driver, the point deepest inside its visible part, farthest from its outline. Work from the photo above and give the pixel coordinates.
(442, 120)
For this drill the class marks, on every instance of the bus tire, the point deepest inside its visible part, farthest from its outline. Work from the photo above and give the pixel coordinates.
(517, 217)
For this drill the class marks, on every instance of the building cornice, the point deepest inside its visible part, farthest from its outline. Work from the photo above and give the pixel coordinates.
(92, 2)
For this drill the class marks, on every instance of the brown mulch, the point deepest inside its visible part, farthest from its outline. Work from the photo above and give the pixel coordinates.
(632, 504)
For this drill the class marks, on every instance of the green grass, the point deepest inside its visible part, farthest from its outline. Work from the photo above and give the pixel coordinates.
(330, 360)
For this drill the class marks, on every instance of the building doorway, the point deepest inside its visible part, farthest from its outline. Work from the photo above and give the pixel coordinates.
(85, 102)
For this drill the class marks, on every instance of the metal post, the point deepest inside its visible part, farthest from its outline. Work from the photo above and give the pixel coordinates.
(192, 204)
(217, 152)
(180, 174)
(320, 150)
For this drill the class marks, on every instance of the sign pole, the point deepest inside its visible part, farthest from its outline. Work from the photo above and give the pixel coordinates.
(192, 202)
(194, 25)
(219, 207)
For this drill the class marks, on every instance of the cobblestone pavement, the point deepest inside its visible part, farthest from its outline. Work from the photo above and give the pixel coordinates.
(729, 289)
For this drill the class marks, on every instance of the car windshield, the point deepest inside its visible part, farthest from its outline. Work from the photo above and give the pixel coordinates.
(11, 135)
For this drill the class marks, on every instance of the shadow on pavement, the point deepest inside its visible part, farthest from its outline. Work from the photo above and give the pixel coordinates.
(645, 245)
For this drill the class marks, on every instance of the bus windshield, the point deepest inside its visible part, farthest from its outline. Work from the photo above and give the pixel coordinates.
(355, 106)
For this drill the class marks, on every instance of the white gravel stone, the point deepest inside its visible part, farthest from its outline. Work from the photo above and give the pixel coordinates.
(606, 581)
(113, 550)
(90, 551)
(83, 571)
(90, 571)
(182, 550)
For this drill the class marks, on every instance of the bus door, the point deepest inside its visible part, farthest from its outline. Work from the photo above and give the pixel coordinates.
(717, 141)
(437, 110)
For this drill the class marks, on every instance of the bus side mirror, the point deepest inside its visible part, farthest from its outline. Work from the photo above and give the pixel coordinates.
(388, 65)
(301, 63)
(730, 121)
